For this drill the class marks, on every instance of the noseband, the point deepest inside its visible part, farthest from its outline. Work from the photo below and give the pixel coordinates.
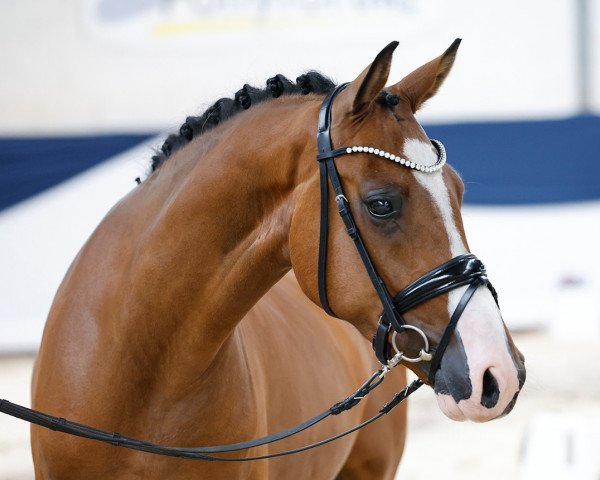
(460, 271)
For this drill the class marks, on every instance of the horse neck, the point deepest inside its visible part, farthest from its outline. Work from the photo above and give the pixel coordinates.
(220, 238)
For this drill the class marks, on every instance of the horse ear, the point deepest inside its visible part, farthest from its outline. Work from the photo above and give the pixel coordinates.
(422, 84)
(365, 88)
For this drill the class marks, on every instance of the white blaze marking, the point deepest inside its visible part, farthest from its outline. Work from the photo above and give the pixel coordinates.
(480, 327)
(423, 153)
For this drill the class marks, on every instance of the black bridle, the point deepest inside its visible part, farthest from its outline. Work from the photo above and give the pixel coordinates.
(460, 271)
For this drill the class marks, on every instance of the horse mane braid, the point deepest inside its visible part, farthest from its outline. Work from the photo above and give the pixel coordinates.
(224, 108)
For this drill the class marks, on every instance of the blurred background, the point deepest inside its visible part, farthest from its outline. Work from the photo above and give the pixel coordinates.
(89, 88)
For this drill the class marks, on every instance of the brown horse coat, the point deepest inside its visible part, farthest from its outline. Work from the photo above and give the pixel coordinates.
(171, 325)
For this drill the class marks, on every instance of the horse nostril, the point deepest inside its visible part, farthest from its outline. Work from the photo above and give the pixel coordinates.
(490, 392)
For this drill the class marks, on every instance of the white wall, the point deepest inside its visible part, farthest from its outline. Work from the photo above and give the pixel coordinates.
(65, 69)
(40, 237)
(61, 72)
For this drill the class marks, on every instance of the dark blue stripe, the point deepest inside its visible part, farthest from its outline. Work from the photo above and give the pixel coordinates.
(525, 162)
(501, 163)
(31, 165)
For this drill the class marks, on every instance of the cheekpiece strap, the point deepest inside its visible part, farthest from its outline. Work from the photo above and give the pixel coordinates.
(328, 170)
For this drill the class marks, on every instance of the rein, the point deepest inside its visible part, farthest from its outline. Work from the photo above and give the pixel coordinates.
(204, 453)
(459, 271)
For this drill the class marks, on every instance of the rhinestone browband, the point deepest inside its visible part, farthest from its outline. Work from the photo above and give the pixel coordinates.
(402, 161)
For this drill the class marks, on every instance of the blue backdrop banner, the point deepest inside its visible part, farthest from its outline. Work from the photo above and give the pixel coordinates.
(525, 162)
(29, 166)
(501, 163)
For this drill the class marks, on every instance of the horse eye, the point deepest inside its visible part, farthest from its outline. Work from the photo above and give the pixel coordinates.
(380, 208)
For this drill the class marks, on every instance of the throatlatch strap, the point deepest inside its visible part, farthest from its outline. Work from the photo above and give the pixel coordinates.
(327, 170)
(322, 268)
(324, 148)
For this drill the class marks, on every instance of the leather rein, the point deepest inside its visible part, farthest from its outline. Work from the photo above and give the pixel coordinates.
(459, 271)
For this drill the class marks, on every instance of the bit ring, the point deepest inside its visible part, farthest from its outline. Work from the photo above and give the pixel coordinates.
(424, 354)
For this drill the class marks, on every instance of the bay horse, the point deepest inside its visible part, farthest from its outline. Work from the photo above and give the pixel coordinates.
(177, 323)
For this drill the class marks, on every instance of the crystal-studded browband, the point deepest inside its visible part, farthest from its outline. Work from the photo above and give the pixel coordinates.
(439, 146)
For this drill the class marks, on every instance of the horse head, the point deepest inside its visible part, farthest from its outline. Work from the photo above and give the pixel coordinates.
(407, 207)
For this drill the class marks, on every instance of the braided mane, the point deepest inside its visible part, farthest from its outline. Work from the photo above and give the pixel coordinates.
(224, 108)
